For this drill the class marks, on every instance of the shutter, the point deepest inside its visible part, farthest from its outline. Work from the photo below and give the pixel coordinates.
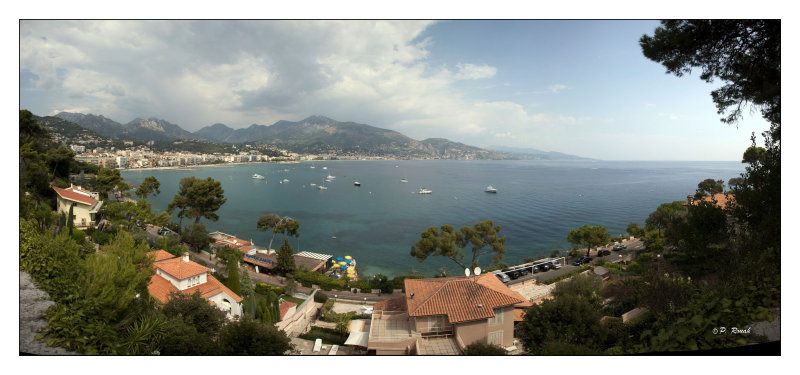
(496, 338)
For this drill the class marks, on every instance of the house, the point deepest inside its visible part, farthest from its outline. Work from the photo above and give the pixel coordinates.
(85, 205)
(286, 308)
(182, 275)
(721, 200)
(444, 315)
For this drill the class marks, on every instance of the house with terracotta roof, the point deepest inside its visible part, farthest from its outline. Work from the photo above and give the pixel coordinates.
(448, 313)
(721, 200)
(175, 274)
(85, 205)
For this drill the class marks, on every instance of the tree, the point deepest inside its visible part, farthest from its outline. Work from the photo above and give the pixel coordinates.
(285, 259)
(181, 338)
(709, 187)
(59, 159)
(108, 179)
(198, 199)
(450, 243)
(70, 219)
(589, 236)
(251, 337)
(195, 311)
(248, 295)
(665, 215)
(277, 225)
(149, 186)
(567, 319)
(581, 286)
(744, 54)
(196, 236)
(635, 230)
(478, 348)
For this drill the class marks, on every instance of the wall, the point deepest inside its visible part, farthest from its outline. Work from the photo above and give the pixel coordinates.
(507, 326)
(236, 307)
(471, 332)
(301, 315)
(81, 211)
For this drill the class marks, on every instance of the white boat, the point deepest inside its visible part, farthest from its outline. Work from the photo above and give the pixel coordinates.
(357, 183)
(403, 180)
(285, 180)
(258, 176)
(312, 184)
(424, 191)
(312, 167)
(490, 189)
(322, 187)
(324, 167)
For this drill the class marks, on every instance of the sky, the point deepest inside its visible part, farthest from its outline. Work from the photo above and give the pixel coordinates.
(580, 87)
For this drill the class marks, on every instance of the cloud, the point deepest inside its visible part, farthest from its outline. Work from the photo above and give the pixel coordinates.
(196, 73)
(472, 71)
(670, 116)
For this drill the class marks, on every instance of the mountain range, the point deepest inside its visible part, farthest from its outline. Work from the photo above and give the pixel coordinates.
(313, 135)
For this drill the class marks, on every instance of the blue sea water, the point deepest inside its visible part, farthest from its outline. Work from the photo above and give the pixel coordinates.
(537, 203)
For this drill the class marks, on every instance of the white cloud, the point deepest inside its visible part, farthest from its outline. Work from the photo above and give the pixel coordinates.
(556, 88)
(472, 71)
(670, 116)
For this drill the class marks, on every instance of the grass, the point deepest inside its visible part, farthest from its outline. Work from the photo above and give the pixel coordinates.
(296, 300)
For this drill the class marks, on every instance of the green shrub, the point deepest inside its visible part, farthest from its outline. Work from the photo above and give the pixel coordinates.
(328, 335)
(262, 288)
(483, 349)
(568, 274)
(325, 282)
(320, 297)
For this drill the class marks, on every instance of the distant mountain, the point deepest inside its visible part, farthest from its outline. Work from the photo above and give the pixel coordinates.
(155, 129)
(534, 154)
(217, 132)
(106, 127)
(319, 134)
(141, 130)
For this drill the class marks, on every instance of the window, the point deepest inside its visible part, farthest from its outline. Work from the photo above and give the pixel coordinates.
(436, 323)
(496, 338)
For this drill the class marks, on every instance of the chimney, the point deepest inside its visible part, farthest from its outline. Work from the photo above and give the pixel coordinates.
(186, 257)
(412, 295)
(480, 306)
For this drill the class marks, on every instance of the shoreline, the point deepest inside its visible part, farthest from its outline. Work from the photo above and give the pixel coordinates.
(191, 167)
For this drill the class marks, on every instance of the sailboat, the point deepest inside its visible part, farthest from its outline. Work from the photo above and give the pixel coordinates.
(258, 176)
(322, 187)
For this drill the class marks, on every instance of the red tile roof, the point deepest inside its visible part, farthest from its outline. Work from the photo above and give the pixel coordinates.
(461, 299)
(73, 196)
(179, 269)
(721, 200)
(519, 315)
(160, 288)
(212, 287)
(284, 307)
(160, 255)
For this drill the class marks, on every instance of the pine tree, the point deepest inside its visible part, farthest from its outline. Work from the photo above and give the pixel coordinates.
(233, 277)
(70, 220)
(248, 294)
(285, 259)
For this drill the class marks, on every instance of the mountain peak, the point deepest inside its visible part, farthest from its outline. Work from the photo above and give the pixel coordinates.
(317, 119)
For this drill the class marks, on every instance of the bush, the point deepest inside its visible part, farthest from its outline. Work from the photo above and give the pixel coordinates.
(328, 335)
(568, 274)
(324, 282)
(483, 349)
(264, 289)
(320, 297)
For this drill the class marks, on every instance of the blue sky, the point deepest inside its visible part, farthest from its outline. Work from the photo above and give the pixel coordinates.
(579, 87)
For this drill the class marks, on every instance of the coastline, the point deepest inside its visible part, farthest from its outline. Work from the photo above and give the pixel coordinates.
(191, 167)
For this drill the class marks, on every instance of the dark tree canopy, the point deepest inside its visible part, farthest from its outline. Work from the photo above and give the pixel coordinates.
(589, 236)
(251, 337)
(196, 236)
(710, 187)
(198, 198)
(195, 311)
(635, 230)
(451, 243)
(744, 54)
(479, 348)
(285, 259)
(108, 179)
(149, 186)
(277, 224)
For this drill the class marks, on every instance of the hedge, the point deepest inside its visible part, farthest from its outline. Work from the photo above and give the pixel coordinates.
(567, 275)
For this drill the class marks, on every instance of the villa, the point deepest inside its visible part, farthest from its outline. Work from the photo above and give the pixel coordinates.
(182, 275)
(443, 316)
(85, 205)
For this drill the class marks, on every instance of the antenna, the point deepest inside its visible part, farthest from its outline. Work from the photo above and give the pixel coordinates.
(466, 271)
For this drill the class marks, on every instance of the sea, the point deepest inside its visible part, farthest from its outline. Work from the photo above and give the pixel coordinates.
(537, 202)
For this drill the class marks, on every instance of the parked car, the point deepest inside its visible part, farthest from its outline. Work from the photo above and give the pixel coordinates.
(166, 231)
(502, 276)
(544, 267)
(619, 247)
(603, 253)
(578, 262)
(587, 260)
(555, 265)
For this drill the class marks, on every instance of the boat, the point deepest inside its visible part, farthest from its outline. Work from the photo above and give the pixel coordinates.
(403, 180)
(312, 167)
(424, 191)
(285, 180)
(313, 184)
(258, 176)
(357, 183)
(324, 167)
(322, 187)
(490, 189)
(330, 177)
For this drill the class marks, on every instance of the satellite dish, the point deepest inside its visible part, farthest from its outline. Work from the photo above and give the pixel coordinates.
(466, 271)
(477, 271)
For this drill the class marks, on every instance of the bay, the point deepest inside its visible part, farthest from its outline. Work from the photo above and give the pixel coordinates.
(537, 203)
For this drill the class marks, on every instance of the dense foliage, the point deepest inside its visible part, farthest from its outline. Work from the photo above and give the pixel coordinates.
(451, 244)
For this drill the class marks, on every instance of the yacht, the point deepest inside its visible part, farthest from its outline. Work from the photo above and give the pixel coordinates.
(424, 191)
(322, 186)
(258, 176)
(324, 167)
(403, 180)
(490, 189)
(285, 180)
(357, 183)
